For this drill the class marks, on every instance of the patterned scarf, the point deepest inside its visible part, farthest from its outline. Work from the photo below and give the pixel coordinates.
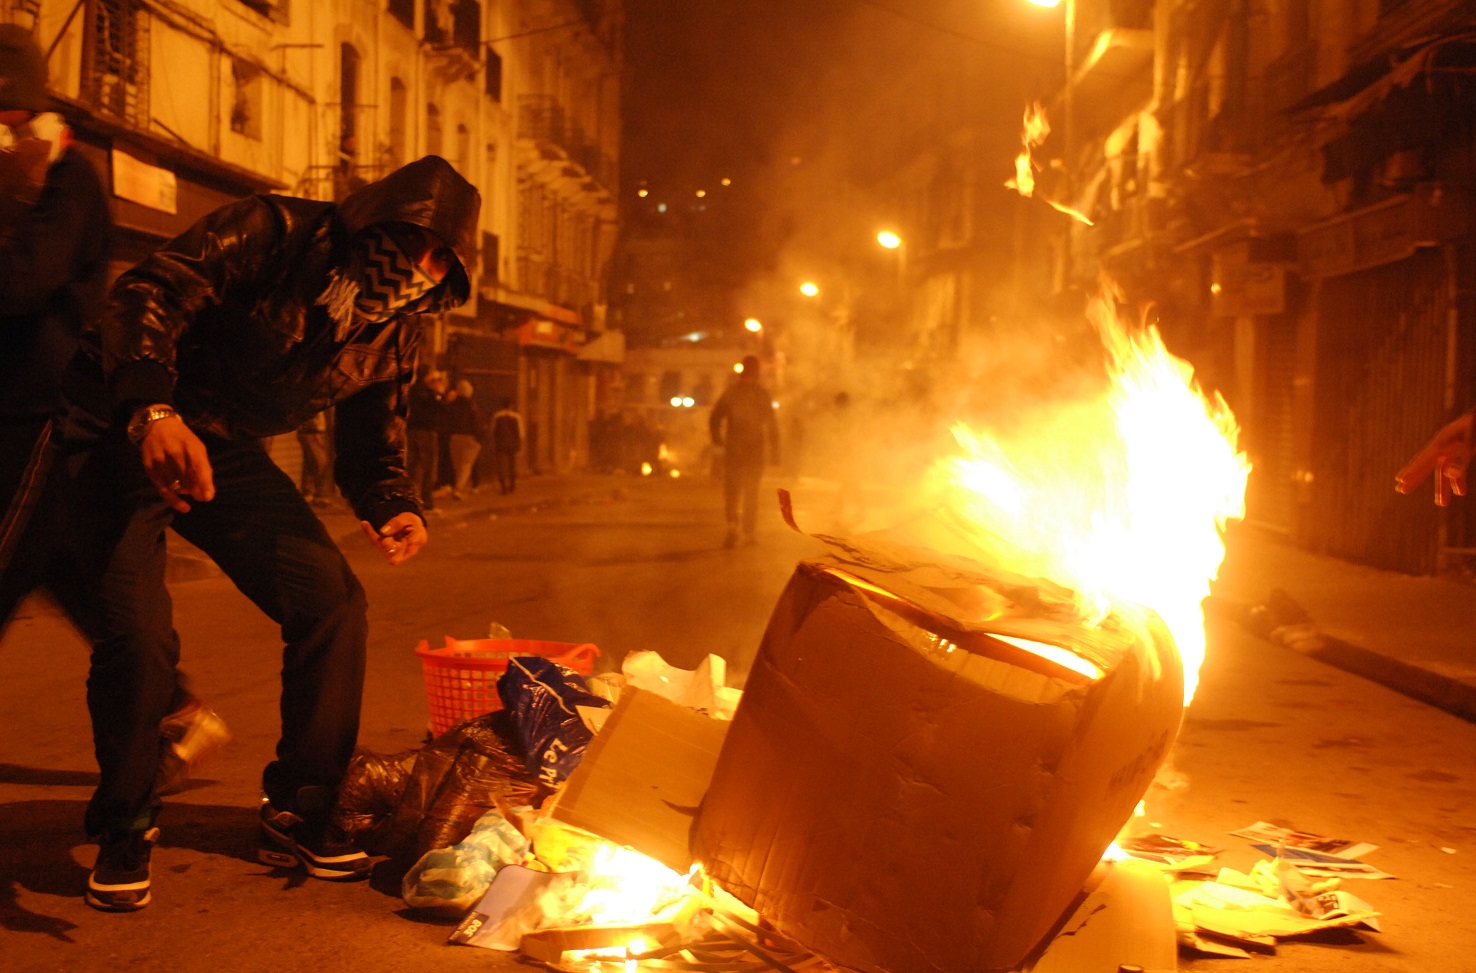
(379, 282)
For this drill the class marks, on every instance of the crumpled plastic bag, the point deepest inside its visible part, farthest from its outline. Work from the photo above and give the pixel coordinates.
(543, 699)
(449, 881)
(470, 769)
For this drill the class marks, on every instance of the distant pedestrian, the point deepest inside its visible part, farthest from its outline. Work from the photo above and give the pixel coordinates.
(316, 479)
(1446, 455)
(507, 442)
(423, 424)
(464, 432)
(742, 425)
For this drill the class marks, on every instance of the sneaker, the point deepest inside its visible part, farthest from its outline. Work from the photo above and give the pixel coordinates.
(193, 734)
(289, 840)
(120, 880)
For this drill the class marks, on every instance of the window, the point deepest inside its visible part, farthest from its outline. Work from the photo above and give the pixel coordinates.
(275, 9)
(463, 149)
(432, 130)
(398, 108)
(118, 51)
(348, 92)
(246, 106)
(494, 75)
(404, 12)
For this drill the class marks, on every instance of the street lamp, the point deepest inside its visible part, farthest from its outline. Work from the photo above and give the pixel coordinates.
(889, 239)
(753, 325)
(810, 289)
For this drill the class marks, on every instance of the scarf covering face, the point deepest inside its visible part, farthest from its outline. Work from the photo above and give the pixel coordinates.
(379, 281)
(388, 280)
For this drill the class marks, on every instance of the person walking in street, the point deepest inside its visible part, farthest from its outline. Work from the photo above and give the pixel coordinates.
(426, 418)
(507, 442)
(742, 425)
(464, 429)
(56, 236)
(267, 311)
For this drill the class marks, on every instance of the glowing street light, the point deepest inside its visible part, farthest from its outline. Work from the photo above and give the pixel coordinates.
(754, 325)
(889, 239)
(1046, 3)
(738, 368)
(809, 288)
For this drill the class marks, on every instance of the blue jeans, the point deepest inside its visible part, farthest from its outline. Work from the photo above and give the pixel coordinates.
(267, 540)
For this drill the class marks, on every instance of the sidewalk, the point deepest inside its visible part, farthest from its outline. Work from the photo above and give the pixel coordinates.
(188, 563)
(1416, 635)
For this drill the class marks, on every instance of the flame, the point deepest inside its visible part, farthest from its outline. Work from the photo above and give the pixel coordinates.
(1036, 129)
(624, 885)
(1123, 498)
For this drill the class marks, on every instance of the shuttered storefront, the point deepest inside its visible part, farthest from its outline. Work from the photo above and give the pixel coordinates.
(1380, 384)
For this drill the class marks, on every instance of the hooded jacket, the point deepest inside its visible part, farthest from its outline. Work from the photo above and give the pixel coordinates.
(224, 323)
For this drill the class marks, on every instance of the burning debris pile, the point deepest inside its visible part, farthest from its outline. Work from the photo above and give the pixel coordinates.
(934, 749)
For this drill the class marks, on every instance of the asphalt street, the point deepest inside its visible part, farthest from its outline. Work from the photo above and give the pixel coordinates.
(1272, 735)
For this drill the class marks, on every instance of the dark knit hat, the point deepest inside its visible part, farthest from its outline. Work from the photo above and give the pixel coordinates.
(22, 71)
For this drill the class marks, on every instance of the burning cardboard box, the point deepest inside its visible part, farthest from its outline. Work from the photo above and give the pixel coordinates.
(930, 759)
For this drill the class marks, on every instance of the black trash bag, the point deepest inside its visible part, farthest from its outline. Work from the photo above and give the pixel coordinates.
(368, 795)
(450, 783)
(542, 695)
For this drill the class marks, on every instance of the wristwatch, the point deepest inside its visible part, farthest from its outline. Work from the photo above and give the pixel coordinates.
(138, 426)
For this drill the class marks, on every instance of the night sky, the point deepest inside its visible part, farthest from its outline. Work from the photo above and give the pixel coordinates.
(727, 87)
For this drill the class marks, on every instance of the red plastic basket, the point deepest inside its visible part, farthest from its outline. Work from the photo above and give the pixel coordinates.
(461, 678)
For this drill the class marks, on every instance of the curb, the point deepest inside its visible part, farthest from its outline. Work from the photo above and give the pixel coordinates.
(1452, 695)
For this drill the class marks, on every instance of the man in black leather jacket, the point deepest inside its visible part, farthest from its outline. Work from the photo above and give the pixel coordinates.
(264, 313)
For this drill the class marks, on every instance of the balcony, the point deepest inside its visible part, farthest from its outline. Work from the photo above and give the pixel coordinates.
(115, 80)
(453, 32)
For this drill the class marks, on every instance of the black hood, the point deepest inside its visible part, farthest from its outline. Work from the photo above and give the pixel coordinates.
(429, 193)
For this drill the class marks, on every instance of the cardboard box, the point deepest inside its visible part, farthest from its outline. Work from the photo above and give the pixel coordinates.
(902, 790)
(643, 776)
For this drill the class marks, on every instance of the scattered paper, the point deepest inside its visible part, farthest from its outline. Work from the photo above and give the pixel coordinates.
(1272, 834)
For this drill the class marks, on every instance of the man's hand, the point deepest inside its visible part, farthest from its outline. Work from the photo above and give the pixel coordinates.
(400, 539)
(1446, 455)
(176, 462)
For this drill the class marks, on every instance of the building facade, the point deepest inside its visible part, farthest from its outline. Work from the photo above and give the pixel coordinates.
(1292, 182)
(183, 105)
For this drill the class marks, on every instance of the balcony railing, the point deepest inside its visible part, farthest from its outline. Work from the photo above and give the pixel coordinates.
(541, 118)
(464, 30)
(115, 80)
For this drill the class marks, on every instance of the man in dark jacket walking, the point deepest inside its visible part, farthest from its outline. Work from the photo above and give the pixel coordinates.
(742, 424)
(507, 442)
(266, 312)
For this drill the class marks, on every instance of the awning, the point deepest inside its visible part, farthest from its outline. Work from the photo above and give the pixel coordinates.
(531, 302)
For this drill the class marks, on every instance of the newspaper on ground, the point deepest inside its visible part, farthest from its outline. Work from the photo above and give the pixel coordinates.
(1314, 855)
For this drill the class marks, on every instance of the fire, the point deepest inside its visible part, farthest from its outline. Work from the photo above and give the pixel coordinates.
(1124, 499)
(1035, 130)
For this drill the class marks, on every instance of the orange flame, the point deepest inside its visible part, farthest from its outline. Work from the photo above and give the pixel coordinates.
(1035, 131)
(1124, 499)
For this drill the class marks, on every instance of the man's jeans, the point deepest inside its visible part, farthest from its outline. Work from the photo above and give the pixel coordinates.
(265, 537)
(741, 475)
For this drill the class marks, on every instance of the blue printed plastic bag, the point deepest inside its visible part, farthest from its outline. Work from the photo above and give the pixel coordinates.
(541, 696)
